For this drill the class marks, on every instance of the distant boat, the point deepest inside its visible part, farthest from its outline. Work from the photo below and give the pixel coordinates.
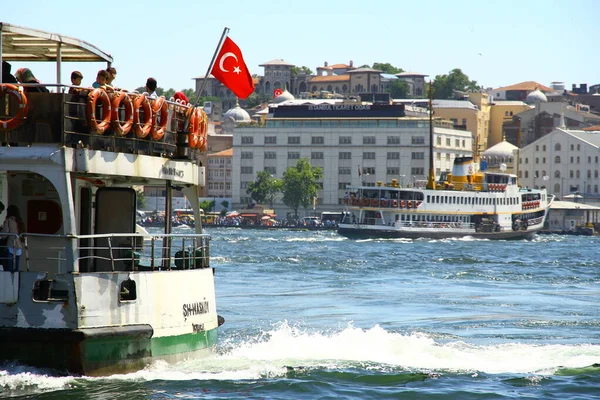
(94, 293)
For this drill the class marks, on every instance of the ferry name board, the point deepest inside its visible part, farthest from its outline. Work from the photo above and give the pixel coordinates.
(340, 110)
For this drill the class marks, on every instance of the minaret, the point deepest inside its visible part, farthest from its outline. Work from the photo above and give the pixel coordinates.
(562, 124)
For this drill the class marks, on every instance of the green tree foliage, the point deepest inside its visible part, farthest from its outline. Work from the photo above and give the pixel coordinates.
(299, 185)
(445, 86)
(399, 90)
(225, 205)
(255, 99)
(296, 70)
(140, 199)
(264, 189)
(387, 68)
(206, 205)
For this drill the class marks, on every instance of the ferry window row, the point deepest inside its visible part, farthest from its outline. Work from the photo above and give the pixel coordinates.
(472, 200)
(351, 123)
(316, 140)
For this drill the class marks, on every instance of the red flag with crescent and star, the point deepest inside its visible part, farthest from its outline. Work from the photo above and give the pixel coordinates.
(230, 69)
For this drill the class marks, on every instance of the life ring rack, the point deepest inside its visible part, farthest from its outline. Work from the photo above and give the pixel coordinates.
(21, 113)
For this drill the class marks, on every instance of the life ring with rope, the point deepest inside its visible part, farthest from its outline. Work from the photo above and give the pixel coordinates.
(142, 128)
(192, 127)
(118, 98)
(409, 204)
(98, 94)
(395, 203)
(160, 112)
(402, 203)
(374, 203)
(19, 116)
(365, 201)
(385, 203)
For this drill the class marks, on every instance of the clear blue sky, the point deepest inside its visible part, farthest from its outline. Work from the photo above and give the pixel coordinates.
(496, 43)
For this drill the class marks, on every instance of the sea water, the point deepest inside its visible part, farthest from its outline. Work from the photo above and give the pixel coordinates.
(313, 315)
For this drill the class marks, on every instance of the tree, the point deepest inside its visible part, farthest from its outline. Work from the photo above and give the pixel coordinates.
(399, 89)
(387, 68)
(206, 205)
(255, 99)
(296, 70)
(445, 86)
(264, 189)
(299, 185)
(225, 205)
(141, 199)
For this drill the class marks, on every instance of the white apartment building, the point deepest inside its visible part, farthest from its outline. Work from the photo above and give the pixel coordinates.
(565, 162)
(353, 144)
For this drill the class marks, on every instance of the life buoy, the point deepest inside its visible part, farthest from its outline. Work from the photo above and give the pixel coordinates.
(142, 128)
(93, 97)
(365, 202)
(202, 129)
(354, 201)
(160, 111)
(374, 203)
(502, 188)
(385, 203)
(118, 98)
(409, 204)
(345, 201)
(19, 116)
(402, 204)
(395, 203)
(417, 204)
(192, 127)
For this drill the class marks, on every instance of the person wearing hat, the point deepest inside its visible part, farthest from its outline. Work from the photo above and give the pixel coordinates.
(24, 75)
(7, 77)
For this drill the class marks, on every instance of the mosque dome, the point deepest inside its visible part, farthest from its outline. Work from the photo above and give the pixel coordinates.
(238, 114)
(285, 96)
(500, 153)
(537, 96)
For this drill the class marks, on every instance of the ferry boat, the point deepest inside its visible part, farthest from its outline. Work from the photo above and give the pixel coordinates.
(468, 201)
(91, 296)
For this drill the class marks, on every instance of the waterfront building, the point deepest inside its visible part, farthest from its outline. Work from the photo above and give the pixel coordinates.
(518, 91)
(501, 115)
(565, 161)
(219, 178)
(416, 83)
(354, 143)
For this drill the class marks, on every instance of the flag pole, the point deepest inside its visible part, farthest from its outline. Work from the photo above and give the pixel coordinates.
(210, 67)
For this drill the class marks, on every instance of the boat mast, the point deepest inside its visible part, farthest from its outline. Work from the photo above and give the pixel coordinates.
(431, 179)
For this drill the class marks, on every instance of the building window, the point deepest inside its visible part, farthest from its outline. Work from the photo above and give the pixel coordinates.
(368, 155)
(293, 155)
(369, 140)
(316, 155)
(343, 185)
(270, 139)
(578, 147)
(577, 174)
(589, 173)
(448, 142)
(557, 174)
(393, 140)
(393, 171)
(572, 147)
(345, 139)
(244, 185)
(417, 171)
(537, 147)
(294, 140)
(571, 174)
(344, 171)
(247, 139)
(345, 155)
(246, 170)
(394, 155)
(419, 155)
(457, 143)
(557, 160)
(271, 170)
(418, 140)
(557, 147)
(270, 155)
(369, 171)
(247, 155)
(439, 141)
(317, 140)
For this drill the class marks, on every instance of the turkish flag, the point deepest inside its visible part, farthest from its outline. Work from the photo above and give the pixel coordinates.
(230, 69)
(277, 92)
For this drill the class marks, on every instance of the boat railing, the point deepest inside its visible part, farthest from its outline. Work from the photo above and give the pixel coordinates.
(435, 224)
(69, 119)
(57, 254)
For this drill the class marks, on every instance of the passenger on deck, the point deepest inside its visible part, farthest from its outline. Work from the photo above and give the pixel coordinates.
(101, 79)
(76, 78)
(112, 74)
(24, 75)
(151, 88)
(13, 224)
(7, 77)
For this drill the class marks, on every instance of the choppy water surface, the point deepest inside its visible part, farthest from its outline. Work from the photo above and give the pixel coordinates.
(314, 315)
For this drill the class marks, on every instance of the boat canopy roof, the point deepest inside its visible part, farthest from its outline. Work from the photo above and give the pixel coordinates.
(26, 44)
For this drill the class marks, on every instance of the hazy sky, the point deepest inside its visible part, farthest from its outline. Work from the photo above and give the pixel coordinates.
(496, 43)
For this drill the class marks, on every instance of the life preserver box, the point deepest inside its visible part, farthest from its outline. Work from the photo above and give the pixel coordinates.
(98, 94)
(19, 116)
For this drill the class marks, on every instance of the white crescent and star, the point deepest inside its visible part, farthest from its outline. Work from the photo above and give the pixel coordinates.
(236, 69)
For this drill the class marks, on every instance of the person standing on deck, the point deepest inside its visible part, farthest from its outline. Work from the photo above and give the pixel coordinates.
(13, 224)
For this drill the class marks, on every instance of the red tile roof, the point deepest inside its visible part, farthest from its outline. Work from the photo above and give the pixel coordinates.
(330, 78)
(528, 85)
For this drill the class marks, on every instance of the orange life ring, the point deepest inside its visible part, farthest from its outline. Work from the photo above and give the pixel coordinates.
(402, 204)
(192, 127)
(346, 200)
(417, 204)
(19, 117)
(503, 187)
(409, 204)
(374, 203)
(354, 201)
(385, 203)
(395, 203)
(119, 98)
(160, 110)
(141, 128)
(365, 201)
(93, 97)
(203, 127)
